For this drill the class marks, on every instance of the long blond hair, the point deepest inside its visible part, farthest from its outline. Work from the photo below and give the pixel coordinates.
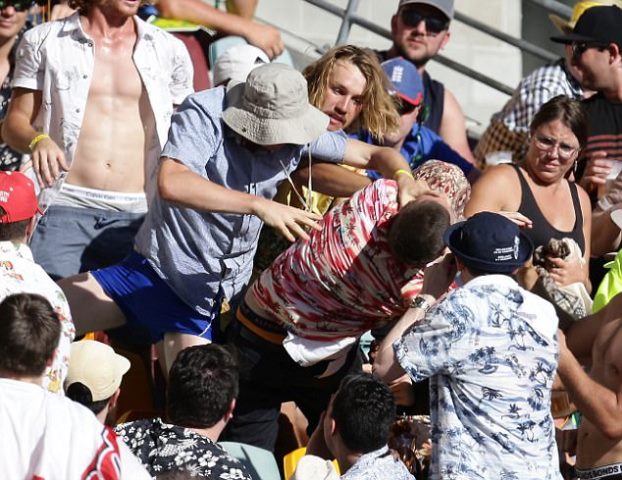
(378, 115)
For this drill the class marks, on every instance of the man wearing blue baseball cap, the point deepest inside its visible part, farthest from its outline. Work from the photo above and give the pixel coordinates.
(490, 350)
(416, 142)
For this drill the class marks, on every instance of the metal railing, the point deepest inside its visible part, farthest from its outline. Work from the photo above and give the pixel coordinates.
(350, 17)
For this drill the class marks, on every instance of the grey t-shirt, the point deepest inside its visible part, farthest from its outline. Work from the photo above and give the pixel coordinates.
(198, 253)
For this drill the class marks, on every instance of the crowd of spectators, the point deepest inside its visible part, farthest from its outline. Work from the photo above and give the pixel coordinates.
(251, 235)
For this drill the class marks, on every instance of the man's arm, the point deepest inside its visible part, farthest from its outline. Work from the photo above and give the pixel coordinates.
(178, 184)
(599, 404)
(453, 127)
(436, 281)
(48, 159)
(263, 36)
(331, 179)
(389, 163)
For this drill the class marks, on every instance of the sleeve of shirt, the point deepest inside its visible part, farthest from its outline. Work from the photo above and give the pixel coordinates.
(439, 150)
(29, 71)
(194, 134)
(438, 343)
(328, 147)
(182, 75)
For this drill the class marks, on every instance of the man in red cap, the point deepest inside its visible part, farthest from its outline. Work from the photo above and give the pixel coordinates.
(18, 271)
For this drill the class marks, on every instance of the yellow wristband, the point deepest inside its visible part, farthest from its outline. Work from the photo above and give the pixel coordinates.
(36, 140)
(401, 171)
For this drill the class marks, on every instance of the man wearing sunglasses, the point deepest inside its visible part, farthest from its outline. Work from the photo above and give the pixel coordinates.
(596, 43)
(419, 30)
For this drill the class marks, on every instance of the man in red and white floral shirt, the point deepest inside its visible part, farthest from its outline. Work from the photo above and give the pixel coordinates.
(20, 274)
(300, 320)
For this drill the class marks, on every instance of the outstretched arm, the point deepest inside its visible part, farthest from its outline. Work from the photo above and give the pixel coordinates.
(263, 36)
(178, 184)
(331, 179)
(389, 163)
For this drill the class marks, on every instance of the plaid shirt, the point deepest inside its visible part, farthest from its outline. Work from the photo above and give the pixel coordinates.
(509, 128)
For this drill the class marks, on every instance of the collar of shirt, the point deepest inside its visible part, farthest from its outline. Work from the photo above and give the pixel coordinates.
(18, 249)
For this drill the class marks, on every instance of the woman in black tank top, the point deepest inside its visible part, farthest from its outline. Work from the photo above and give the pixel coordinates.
(536, 192)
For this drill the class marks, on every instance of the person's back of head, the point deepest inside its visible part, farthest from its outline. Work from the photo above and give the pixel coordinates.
(29, 334)
(363, 410)
(203, 384)
(18, 205)
(416, 232)
(95, 374)
(489, 243)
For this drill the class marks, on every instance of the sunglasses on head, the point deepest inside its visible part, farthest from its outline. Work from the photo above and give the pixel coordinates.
(434, 24)
(579, 48)
(18, 6)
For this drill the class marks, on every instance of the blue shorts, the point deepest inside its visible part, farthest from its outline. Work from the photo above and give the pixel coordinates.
(150, 307)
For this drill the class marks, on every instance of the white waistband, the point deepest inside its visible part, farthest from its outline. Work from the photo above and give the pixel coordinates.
(75, 196)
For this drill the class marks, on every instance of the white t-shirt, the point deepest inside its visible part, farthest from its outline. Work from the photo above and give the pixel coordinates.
(46, 436)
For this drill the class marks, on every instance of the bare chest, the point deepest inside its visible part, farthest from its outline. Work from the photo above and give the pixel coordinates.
(115, 75)
(605, 355)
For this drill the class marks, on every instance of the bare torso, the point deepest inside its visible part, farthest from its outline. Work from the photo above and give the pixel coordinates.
(118, 123)
(593, 448)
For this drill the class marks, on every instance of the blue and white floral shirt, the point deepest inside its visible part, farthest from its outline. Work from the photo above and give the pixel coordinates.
(378, 465)
(490, 350)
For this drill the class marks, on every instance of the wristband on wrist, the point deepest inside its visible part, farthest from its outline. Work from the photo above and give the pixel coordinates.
(37, 139)
(402, 171)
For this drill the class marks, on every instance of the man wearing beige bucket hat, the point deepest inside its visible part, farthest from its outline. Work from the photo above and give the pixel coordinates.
(505, 138)
(227, 152)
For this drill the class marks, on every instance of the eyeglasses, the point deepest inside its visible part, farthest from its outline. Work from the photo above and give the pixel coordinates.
(18, 6)
(434, 24)
(580, 48)
(564, 150)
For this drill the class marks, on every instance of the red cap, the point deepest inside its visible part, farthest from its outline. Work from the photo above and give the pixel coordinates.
(17, 197)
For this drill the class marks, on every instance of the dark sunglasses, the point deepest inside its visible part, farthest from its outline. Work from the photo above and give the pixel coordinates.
(433, 23)
(580, 48)
(18, 6)
(403, 107)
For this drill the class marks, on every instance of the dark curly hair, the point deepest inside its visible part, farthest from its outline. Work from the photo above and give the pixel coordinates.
(363, 410)
(202, 383)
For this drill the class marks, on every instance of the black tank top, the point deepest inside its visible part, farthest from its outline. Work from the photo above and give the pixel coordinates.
(434, 101)
(542, 231)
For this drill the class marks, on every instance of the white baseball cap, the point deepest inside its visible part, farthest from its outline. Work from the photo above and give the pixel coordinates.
(237, 62)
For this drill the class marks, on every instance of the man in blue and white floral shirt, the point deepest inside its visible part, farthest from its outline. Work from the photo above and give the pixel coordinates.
(490, 351)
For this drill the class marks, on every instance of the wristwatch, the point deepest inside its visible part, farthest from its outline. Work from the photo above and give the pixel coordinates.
(421, 302)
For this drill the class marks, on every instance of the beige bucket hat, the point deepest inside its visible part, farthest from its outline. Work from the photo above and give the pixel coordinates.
(273, 108)
(566, 26)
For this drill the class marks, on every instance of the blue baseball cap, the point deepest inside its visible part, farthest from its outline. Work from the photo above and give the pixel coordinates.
(405, 79)
(489, 242)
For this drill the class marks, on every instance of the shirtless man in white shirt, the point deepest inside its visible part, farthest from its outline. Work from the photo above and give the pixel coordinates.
(92, 99)
(597, 395)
